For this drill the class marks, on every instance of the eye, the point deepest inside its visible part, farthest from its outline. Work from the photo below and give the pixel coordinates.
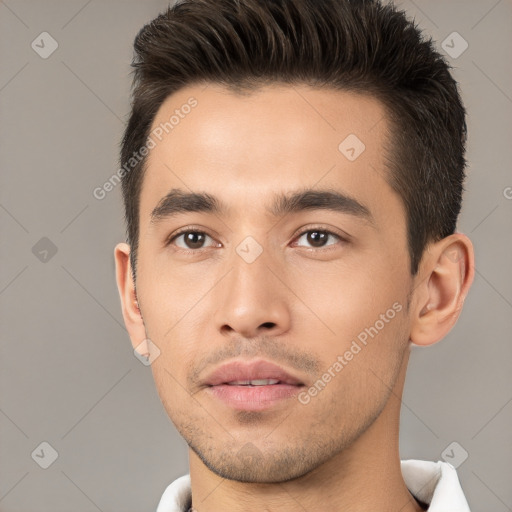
(191, 239)
(318, 238)
(194, 239)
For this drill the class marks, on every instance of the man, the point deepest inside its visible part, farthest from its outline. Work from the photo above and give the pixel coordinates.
(292, 179)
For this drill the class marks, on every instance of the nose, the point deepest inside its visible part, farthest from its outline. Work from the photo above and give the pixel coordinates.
(252, 300)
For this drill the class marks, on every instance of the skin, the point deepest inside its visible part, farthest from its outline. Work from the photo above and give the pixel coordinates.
(298, 304)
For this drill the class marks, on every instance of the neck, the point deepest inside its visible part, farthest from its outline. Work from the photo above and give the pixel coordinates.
(364, 477)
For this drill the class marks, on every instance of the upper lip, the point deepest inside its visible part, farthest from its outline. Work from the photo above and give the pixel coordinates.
(249, 370)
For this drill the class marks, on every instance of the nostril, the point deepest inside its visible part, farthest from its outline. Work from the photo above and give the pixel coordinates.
(268, 324)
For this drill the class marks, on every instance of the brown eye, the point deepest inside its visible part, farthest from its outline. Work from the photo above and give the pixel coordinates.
(190, 240)
(194, 240)
(317, 238)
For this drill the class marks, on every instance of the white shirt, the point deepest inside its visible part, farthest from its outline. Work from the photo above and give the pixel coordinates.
(433, 483)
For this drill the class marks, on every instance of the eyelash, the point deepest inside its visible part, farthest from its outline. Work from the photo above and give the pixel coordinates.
(174, 236)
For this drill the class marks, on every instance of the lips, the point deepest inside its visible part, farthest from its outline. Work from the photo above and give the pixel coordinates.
(251, 373)
(252, 386)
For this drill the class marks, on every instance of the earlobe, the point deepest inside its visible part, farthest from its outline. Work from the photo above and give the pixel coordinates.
(129, 302)
(444, 279)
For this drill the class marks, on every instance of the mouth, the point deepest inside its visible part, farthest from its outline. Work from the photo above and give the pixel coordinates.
(256, 382)
(252, 385)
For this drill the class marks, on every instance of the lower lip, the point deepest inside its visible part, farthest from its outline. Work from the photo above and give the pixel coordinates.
(253, 398)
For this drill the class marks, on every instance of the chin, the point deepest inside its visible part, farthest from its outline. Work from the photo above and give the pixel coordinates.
(250, 465)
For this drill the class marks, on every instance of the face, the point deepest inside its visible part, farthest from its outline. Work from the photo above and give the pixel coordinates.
(277, 295)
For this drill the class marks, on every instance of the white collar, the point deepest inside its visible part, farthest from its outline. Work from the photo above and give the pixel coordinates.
(434, 483)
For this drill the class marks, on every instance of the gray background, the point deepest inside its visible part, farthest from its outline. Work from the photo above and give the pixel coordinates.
(68, 375)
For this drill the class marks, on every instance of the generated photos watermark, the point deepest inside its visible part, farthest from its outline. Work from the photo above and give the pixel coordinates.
(156, 136)
(355, 348)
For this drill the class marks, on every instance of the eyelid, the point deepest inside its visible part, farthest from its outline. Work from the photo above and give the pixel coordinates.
(340, 235)
(187, 229)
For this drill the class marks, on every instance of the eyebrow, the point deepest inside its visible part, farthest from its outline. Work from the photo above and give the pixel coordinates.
(178, 201)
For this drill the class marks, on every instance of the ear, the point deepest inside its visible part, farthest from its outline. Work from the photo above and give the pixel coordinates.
(129, 305)
(446, 273)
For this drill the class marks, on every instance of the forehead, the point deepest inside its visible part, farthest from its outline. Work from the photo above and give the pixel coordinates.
(293, 115)
(277, 138)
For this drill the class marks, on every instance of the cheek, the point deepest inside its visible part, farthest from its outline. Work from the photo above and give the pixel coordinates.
(171, 310)
(172, 297)
(344, 301)
(169, 374)
(360, 328)
(358, 371)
